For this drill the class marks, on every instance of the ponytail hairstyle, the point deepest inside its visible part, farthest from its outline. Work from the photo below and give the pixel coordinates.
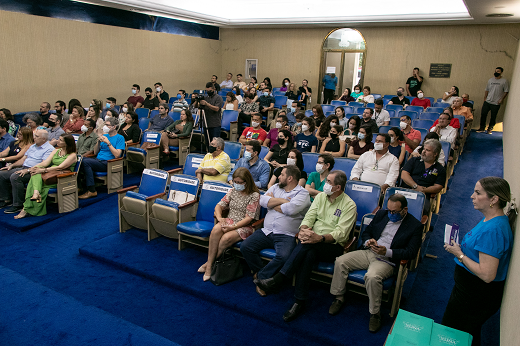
(495, 186)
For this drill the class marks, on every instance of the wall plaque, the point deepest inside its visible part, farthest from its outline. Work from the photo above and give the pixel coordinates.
(440, 70)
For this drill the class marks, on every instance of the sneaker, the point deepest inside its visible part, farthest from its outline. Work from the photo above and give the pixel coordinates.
(13, 209)
(374, 323)
(4, 204)
(336, 306)
(489, 132)
(481, 130)
(88, 194)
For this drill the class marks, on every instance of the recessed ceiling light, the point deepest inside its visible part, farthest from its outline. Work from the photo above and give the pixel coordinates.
(499, 15)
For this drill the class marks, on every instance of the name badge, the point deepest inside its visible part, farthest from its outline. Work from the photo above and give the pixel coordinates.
(337, 212)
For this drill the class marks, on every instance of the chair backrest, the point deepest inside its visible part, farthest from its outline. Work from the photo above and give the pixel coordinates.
(394, 107)
(263, 152)
(422, 123)
(355, 104)
(462, 121)
(212, 192)
(328, 108)
(412, 115)
(389, 97)
(175, 115)
(359, 110)
(429, 116)
(172, 99)
(423, 132)
(432, 100)
(344, 164)
(184, 183)
(142, 112)
(192, 163)
(78, 163)
(391, 113)
(348, 109)
(446, 147)
(153, 181)
(384, 128)
(151, 137)
(437, 110)
(117, 108)
(227, 117)
(309, 162)
(233, 149)
(441, 104)
(338, 103)
(371, 105)
(222, 93)
(418, 109)
(309, 113)
(376, 96)
(17, 128)
(394, 122)
(365, 221)
(278, 93)
(280, 101)
(410, 98)
(414, 198)
(365, 195)
(276, 89)
(143, 123)
(327, 114)
(154, 113)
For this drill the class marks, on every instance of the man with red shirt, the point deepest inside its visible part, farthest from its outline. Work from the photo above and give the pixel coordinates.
(412, 137)
(420, 100)
(255, 132)
(136, 100)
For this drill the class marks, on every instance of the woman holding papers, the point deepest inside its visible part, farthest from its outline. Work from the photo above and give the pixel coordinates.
(482, 259)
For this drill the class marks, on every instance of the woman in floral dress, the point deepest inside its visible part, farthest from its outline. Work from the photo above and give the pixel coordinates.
(243, 203)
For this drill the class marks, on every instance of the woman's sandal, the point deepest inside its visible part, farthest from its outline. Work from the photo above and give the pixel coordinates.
(38, 199)
(22, 214)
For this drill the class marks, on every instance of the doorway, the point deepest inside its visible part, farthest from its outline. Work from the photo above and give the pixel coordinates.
(343, 56)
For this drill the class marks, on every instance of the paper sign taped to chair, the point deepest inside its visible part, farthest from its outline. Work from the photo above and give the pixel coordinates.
(362, 188)
(152, 135)
(367, 220)
(162, 175)
(196, 160)
(409, 195)
(216, 188)
(186, 181)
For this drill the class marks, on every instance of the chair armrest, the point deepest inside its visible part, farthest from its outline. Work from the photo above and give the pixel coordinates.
(184, 137)
(126, 189)
(114, 160)
(187, 204)
(424, 219)
(258, 223)
(65, 175)
(131, 144)
(155, 146)
(175, 171)
(233, 122)
(376, 210)
(349, 244)
(89, 155)
(155, 196)
(404, 262)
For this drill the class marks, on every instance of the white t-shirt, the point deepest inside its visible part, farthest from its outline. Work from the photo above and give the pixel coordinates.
(381, 118)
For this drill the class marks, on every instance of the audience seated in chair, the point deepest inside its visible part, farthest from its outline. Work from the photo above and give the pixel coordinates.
(291, 115)
(354, 124)
(333, 145)
(162, 120)
(381, 116)
(130, 128)
(317, 115)
(323, 233)
(136, 100)
(127, 107)
(180, 128)
(420, 100)
(151, 102)
(368, 121)
(247, 110)
(392, 236)
(279, 152)
(94, 114)
(425, 173)
(17, 148)
(431, 135)
(14, 177)
(361, 145)
(400, 99)
(323, 131)
(32, 120)
(54, 129)
(378, 166)
(258, 168)
(346, 96)
(243, 204)
(255, 132)
(306, 141)
(5, 138)
(266, 102)
(397, 146)
(444, 130)
(316, 180)
(366, 97)
(62, 158)
(459, 109)
(8, 116)
(75, 122)
(180, 103)
(412, 137)
(449, 96)
(272, 136)
(216, 164)
(44, 113)
(294, 158)
(304, 93)
(231, 102)
(286, 204)
(88, 139)
(109, 146)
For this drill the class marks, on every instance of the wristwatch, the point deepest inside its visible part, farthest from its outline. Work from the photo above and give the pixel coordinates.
(323, 239)
(460, 258)
(3, 159)
(414, 186)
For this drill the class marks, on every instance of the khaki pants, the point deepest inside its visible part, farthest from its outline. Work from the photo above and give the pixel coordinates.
(377, 271)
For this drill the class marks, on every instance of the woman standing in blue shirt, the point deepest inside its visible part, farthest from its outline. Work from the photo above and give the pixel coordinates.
(329, 83)
(482, 260)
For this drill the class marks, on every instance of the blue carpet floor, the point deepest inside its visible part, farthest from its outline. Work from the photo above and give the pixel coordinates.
(168, 298)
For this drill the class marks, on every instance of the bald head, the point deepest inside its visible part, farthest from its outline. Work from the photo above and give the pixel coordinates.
(40, 137)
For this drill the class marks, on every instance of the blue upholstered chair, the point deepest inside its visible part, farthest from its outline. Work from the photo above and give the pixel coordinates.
(233, 149)
(422, 123)
(263, 152)
(429, 116)
(396, 108)
(337, 103)
(344, 164)
(384, 128)
(142, 112)
(354, 104)
(365, 195)
(137, 158)
(418, 109)
(309, 162)
(423, 132)
(144, 123)
(441, 104)
(412, 115)
(394, 122)
(328, 108)
(280, 101)
(437, 110)
(229, 125)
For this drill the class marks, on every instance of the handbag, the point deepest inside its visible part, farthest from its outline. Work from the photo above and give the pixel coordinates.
(226, 268)
(51, 178)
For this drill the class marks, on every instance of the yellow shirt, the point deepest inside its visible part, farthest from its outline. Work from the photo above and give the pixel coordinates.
(336, 219)
(221, 163)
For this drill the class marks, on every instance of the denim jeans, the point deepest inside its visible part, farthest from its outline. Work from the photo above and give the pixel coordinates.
(91, 165)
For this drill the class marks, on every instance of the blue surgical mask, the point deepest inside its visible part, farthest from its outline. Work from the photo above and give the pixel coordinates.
(134, 91)
(293, 109)
(179, 96)
(360, 136)
(395, 217)
(247, 155)
(108, 105)
(266, 93)
(298, 124)
(239, 187)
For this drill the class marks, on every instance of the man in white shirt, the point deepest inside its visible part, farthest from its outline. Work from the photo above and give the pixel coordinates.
(228, 83)
(444, 130)
(378, 166)
(381, 116)
(240, 83)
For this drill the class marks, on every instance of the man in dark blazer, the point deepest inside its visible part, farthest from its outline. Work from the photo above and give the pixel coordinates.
(392, 236)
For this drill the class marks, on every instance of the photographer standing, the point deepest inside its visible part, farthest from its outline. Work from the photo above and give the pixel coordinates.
(211, 104)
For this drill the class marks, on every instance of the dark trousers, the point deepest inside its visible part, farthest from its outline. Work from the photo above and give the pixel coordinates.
(12, 186)
(212, 132)
(256, 242)
(472, 302)
(328, 95)
(486, 107)
(243, 119)
(302, 261)
(89, 165)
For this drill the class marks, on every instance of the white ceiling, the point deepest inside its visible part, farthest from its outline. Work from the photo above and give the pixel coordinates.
(275, 13)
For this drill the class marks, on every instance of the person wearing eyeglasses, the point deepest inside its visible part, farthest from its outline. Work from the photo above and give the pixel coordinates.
(446, 132)
(392, 236)
(378, 166)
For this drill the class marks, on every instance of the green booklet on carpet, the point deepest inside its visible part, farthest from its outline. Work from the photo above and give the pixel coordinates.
(413, 327)
(442, 336)
(399, 340)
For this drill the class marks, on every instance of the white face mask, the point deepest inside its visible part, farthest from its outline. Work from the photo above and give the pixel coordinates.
(305, 128)
(392, 139)
(420, 95)
(291, 161)
(254, 124)
(333, 124)
(378, 146)
(319, 168)
(327, 188)
(403, 125)
(356, 91)
(278, 125)
(239, 187)
(286, 84)
(158, 90)
(84, 128)
(125, 109)
(106, 129)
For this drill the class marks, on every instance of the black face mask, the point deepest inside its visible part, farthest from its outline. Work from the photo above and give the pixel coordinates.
(212, 149)
(401, 94)
(497, 74)
(210, 93)
(333, 135)
(148, 95)
(51, 123)
(281, 141)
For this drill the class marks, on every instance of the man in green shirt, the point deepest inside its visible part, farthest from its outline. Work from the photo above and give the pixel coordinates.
(323, 233)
